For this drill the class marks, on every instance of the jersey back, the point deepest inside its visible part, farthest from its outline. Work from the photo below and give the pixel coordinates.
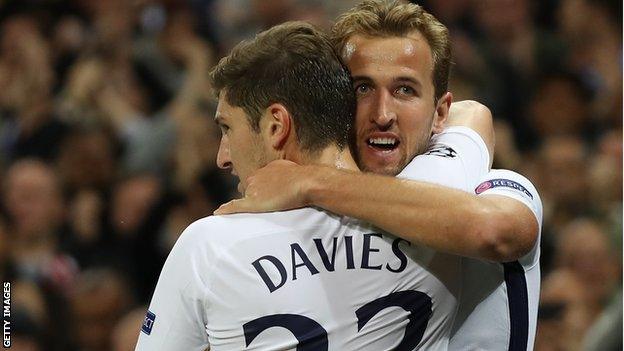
(302, 279)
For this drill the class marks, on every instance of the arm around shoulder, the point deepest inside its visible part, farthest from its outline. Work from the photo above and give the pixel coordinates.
(514, 215)
(505, 229)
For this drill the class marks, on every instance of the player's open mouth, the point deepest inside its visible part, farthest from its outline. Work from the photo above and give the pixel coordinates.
(383, 143)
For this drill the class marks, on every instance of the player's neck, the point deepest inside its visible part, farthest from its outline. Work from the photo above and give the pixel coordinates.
(330, 156)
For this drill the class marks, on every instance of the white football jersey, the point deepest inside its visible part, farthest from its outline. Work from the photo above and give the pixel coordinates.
(303, 279)
(498, 307)
(310, 280)
(456, 158)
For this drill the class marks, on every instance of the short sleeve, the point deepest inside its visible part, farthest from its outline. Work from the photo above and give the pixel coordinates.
(176, 317)
(513, 185)
(456, 158)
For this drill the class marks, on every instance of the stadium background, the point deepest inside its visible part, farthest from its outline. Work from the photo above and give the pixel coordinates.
(107, 148)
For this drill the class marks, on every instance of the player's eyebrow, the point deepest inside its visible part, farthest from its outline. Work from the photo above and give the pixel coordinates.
(408, 80)
(361, 79)
(400, 79)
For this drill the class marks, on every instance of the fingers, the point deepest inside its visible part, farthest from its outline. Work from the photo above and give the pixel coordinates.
(237, 206)
(228, 208)
(281, 163)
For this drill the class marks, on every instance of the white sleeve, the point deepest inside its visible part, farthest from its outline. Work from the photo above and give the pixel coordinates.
(176, 317)
(511, 184)
(456, 158)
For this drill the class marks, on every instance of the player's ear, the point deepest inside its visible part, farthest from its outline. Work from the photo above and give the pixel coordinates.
(279, 125)
(442, 112)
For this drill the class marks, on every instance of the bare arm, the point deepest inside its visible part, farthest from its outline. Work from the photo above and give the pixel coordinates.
(488, 227)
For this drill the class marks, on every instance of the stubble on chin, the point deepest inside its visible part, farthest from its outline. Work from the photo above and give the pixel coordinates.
(387, 170)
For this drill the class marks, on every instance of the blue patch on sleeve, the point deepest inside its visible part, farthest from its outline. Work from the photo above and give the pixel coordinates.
(148, 323)
(506, 183)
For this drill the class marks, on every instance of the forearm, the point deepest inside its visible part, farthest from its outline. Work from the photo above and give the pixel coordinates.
(425, 214)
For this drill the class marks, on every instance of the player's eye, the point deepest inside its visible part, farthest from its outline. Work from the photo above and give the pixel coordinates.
(405, 90)
(224, 128)
(362, 89)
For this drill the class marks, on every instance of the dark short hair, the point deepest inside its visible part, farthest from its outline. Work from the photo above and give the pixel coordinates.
(293, 64)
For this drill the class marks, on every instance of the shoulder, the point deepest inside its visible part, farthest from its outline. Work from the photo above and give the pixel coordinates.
(456, 158)
(507, 180)
(227, 230)
(215, 230)
(462, 138)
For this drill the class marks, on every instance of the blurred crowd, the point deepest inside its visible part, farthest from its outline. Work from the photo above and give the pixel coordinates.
(108, 147)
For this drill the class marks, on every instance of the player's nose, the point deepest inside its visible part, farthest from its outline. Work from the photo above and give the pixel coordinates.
(383, 114)
(224, 160)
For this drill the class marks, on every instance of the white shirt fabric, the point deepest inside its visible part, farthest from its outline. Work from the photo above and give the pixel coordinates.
(485, 316)
(457, 158)
(498, 308)
(209, 287)
(324, 273)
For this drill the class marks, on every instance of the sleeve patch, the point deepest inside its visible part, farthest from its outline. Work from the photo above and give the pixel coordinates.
(442, 151)
(148, 323)
(506, 183)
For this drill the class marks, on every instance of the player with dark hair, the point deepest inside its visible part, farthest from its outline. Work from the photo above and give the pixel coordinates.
(306, 278)
(399, 56)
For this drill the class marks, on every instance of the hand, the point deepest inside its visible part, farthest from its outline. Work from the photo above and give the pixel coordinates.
(468, 113)
(477, 117)
(278, 186)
